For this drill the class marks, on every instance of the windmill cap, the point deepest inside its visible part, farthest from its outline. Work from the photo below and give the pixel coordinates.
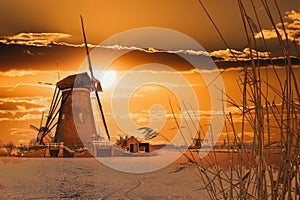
(81, 80)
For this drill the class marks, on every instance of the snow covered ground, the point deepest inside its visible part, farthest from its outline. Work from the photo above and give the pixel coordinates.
(87, 178)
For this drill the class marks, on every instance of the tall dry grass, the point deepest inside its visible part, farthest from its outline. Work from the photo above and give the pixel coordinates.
(267, 169)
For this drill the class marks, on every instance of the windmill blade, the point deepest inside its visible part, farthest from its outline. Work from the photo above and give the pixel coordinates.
(42, 83)
(41, 123)
(34, 128)
(94, 80)
(53, 108)
(53, 101)
(102, 114)
(44, 133)
(86, 49)
(54, 115)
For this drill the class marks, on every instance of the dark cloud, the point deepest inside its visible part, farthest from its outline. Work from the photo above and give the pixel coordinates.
(8, 106)
(20, 109)
(44, 51)
(21, 56)
(25, 90)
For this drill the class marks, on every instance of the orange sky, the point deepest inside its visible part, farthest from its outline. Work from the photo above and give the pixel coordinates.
(39, 39)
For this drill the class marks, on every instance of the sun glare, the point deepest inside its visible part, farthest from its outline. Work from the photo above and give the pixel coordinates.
(107, 78)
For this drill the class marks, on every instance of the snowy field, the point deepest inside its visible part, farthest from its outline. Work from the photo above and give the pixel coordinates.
(87, 178)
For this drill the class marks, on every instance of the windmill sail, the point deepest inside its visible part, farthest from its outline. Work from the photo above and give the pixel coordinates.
(94, 81)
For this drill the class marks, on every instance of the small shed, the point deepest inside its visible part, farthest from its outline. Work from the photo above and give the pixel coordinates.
(134, 146)
(144, 147)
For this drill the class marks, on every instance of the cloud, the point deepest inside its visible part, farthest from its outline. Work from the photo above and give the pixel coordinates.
(223, 54)
(22, 108)
(155, 50)
(26, 90)
(243, 55)
(222, 57)
(292, 15)
(21, 48)
(35, 39)
(292, 26)
(41, 40)
(48, 39)
(18, 131)
(17, 73)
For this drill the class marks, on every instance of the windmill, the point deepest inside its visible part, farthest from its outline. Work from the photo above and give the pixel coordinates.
(74, 120)
(41, 132)
(45, 131)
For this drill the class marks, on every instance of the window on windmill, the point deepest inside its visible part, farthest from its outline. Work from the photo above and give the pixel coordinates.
(63, 116)
(81, 117)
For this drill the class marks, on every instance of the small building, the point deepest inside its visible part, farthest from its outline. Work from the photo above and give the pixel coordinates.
(134, 146)
(144, 147)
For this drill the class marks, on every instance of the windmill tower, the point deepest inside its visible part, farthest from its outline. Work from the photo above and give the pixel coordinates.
(76, 125)
(71, 114)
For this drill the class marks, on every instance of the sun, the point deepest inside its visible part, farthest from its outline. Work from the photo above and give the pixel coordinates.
(107, 78)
